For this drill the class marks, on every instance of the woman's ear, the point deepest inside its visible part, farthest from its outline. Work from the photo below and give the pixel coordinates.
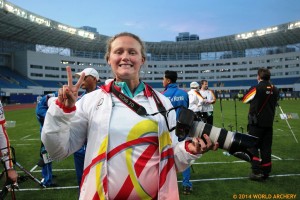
(143, 60)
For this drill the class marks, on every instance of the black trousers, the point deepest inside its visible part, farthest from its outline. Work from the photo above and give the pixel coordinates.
(261, 161)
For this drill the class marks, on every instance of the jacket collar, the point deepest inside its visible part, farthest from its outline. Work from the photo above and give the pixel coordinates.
(146, 88)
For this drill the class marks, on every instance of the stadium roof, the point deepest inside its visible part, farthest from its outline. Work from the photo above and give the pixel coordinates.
(17, 24)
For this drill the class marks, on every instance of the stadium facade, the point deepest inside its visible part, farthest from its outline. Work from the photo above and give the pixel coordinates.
(34, 52)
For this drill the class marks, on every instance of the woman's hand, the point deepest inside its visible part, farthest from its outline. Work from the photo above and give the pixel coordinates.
(198, 146)
(12, 175)
(68, 94)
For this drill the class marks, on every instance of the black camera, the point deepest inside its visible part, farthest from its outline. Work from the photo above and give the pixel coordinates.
(235, 143)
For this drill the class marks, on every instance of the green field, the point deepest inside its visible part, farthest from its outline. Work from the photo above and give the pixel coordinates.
(214, 176)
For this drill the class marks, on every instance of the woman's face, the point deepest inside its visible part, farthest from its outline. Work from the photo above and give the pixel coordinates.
(125, 58)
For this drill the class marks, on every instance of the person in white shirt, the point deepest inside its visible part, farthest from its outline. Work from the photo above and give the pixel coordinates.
(195, 100)
(207, 99)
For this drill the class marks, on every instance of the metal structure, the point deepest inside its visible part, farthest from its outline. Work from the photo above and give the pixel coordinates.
(17, 24)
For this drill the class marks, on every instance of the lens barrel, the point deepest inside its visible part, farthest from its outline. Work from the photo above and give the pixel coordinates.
(235, 143)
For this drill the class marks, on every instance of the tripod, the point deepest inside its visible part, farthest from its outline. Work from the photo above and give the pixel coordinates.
(9, 186)
(221, 112)
(236, 128)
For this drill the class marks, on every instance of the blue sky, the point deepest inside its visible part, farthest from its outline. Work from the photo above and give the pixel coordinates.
(158, 20)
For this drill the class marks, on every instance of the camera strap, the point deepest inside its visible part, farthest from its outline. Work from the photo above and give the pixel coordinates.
(139, 109)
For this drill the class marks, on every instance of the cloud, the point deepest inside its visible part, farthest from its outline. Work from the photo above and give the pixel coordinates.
(132, 24)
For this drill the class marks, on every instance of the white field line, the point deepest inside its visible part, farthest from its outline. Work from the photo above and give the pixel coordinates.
(276, 157)
(23, 138)
(193, 180)
(237, 178)
(239, 161)
(50, 188)
(196, 180)
(54, 170)
(196, 163)
(34, 139)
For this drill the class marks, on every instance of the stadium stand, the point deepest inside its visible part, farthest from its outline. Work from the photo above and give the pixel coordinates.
(14, 79)
(52, 84)
(228, 62)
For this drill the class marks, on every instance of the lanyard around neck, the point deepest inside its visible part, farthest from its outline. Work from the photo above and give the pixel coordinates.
(139, 109)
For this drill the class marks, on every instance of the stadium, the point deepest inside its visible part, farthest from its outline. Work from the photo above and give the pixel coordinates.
(34, 52)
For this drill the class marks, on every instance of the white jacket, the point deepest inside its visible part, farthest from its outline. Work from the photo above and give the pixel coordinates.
(194, 100)
(65, 132)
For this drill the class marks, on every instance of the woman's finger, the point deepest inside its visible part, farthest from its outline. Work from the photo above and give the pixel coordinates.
(60, 95)
(196, 144)
(216, 146)
(80, 80)
(203, 147)
(69, 75)
(209, 143)
(65, 90)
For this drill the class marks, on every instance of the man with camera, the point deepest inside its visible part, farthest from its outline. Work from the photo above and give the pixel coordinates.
(263, 100)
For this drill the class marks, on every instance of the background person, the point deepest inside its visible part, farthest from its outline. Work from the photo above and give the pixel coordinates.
(240, 95)
(89, 84)
(45, 163)
(178, 97)
(207, 99)
(5, 153)
(124, 145)
(263, 100)
(194, 100)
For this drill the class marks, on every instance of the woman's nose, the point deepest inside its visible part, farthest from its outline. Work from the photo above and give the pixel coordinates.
(126, 56)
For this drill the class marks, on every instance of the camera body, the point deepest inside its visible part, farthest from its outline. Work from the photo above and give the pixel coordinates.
(235, 143)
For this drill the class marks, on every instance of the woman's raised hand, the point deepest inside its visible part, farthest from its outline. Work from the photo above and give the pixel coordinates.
(68, 94)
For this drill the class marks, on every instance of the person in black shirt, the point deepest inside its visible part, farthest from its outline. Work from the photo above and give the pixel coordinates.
(263, 100)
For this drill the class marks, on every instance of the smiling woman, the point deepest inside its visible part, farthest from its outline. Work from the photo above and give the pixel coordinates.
(124, 144)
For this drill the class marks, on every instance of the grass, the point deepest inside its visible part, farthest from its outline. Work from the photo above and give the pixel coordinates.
(214, 176)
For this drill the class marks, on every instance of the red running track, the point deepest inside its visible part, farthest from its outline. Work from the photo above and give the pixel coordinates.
(18, 107)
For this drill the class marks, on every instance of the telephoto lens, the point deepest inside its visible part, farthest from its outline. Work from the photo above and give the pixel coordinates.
(235, 143)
